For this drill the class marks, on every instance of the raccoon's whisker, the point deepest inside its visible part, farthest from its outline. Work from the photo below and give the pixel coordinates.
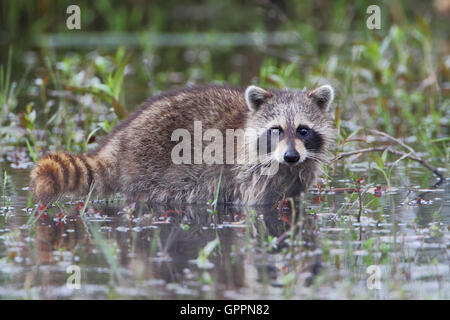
(318, 158)
(323, 172)
(319, 167)
(314, 158)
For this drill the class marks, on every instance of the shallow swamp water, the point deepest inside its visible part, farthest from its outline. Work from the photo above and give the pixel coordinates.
(347, 238)
(399, 249)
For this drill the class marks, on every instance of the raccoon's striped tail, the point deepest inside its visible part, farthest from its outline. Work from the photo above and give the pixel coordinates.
(63, 173)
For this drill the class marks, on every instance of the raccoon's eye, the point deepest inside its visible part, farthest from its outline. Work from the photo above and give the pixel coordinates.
(303, 131)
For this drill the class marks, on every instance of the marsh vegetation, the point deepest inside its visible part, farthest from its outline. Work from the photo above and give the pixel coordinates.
(384, 200)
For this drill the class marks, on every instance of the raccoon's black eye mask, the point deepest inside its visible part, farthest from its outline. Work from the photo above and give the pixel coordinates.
(313, 140)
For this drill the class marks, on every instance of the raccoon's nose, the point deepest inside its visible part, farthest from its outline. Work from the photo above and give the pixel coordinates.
(291, 156)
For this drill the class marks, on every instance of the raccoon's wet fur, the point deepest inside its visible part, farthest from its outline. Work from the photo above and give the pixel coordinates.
(135, 159)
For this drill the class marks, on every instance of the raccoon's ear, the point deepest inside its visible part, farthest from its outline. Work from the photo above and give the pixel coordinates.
(322, 96)
(255, 97)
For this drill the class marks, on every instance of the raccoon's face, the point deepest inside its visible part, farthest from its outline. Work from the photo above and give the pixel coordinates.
(296, 124)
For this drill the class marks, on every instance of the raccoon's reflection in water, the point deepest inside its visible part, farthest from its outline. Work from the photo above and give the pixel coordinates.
(161, 245)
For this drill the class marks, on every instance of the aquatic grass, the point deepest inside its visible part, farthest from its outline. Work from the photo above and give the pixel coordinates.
(379, 164)
(107, 251)
(204, 253)
(108, 126)
(6, 199)
(58, 117)
(9, 89)
(113, 85)
(264, 260)
(5, 85)
(92, 228)
(110, 88)
(154, 243)
(31, 151)
(29, 122)
(86, 202)
(88, 139)
(215, 202)
(36, 214)
(5, 181)
(54, 88)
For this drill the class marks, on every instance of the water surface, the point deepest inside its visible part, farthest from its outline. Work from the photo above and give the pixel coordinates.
(135, 251)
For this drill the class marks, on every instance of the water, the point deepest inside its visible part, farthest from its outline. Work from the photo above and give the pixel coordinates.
(159, 252)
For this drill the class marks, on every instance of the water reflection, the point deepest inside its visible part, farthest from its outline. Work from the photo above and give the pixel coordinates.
(160, 245)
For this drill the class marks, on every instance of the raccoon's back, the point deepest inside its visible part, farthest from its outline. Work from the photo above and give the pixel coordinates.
(217, 107)
(138, 152)
(147, 135)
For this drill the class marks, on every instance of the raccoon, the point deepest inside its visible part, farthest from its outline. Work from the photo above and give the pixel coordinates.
(135, 159)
